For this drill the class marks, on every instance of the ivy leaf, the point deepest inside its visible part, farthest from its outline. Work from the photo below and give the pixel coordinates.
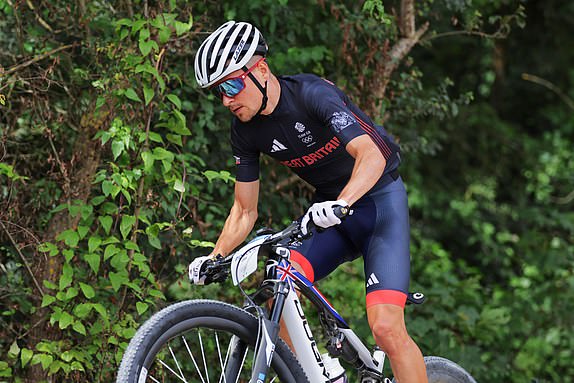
(88, 290)
(179, 186)
(174, 138)
(126, 225)
(82, 231)
(68, 254)
(175, 100)
(14, 350)
(106, 222)
(132, 95)
(148, 94)
(45, 359)
(79, 328)
(117, 279)
(110, 251)
(155, 137)
(26, 356)
(65, 320)
(147, 46)
(66, 277)
(107, 187)
(102, 311)
(94, 243)
(130, 245)
(117, 149)
(70, 237)
(93, 260)
(164, 35)
(141, 307)
(181, 28)
(48, 247)
(154, 241)
(71, 293)
(127, 195)
(47, 300)
(83, 310)
(99, 102)
(120, 260)
(144, 34)
(156, 294)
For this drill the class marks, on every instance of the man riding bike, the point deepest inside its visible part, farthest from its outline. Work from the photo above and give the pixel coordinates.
(312, 127)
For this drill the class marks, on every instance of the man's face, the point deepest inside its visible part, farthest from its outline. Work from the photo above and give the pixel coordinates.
(246, 104)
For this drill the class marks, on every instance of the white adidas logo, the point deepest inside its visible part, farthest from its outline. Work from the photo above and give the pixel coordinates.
(372, 280)
(277, 146)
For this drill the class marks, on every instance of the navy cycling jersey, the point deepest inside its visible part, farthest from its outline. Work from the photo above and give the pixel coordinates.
(308, 132)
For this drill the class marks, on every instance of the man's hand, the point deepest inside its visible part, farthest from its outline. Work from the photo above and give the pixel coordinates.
(322, 215)
(196, 268)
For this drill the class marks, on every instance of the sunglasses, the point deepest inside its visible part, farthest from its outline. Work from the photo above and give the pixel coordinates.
(233, 86)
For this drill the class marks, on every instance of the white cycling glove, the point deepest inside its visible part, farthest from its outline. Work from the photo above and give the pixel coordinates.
(195, 270)
(322, 215)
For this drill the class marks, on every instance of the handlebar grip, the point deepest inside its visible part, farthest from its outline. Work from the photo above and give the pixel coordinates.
(341, 211)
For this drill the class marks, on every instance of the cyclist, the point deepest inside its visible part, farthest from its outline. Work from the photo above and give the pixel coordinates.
(312, 127)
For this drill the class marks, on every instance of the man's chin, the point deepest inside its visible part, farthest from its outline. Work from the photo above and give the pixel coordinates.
(244, 117)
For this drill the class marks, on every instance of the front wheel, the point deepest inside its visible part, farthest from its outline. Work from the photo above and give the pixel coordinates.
(201, 341)
(441, 370)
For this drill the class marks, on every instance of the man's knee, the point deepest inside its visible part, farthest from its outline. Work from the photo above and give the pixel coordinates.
(388, 328)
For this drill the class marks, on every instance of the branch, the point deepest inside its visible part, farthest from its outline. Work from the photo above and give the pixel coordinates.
(397, 53)
(23, 258)
(407, 22)
(36, 59)
(40, 20)
(565, 200)
(547, 84)
(496, 35)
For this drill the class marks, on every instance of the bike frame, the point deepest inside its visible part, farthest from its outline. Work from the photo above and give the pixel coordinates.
(284, 280)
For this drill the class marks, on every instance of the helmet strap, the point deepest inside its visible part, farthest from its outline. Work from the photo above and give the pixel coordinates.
(263, 90)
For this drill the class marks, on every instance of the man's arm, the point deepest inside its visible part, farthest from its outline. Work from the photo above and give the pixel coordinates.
(241, 218)
(369, 167)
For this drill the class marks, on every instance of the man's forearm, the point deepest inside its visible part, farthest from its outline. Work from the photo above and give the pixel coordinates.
(369, 167)
(237, 227)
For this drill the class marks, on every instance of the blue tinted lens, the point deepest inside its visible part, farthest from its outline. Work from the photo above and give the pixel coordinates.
(231, 87)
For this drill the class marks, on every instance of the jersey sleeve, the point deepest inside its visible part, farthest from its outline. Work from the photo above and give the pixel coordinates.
(323, 101)
(335, 110)
(246, 157)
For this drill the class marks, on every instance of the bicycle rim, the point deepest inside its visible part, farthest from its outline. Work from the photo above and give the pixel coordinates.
(192, 345)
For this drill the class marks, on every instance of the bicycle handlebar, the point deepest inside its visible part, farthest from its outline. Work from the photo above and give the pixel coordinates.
(218, 270)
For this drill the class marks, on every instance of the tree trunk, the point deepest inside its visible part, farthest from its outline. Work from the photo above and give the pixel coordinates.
(81, 170)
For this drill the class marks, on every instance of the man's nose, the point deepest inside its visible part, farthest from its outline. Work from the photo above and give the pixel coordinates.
(226, 100)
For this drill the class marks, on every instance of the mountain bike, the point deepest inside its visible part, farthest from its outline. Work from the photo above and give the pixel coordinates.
(210, 341)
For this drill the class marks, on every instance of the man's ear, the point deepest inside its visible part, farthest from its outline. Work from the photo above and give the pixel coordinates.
(264, 69)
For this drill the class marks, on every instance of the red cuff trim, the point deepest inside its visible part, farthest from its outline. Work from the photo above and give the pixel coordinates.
(297, 257)
(391, 297)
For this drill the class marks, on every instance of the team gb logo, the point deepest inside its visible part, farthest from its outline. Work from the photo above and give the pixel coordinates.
(300, 127)
(341, 120)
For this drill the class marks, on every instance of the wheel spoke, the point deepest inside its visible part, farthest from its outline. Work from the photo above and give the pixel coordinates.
(222, 363)
(177, 364)
(193, 359)
(203, 355)
(242, 364)
(171, 370)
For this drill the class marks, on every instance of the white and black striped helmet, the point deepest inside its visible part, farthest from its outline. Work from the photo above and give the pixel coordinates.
(226, 50)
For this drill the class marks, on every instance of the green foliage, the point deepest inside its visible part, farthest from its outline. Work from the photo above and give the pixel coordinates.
(487, 162)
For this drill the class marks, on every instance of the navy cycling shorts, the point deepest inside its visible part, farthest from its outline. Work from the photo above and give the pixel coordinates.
(378, 230)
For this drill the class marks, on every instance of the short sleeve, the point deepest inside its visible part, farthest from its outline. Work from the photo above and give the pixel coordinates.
(246, 157)
(326, 104)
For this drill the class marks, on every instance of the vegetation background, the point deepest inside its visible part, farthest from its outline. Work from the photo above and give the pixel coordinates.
(115, 170)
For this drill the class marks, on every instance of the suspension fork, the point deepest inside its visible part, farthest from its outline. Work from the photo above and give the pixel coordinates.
(268, 334)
